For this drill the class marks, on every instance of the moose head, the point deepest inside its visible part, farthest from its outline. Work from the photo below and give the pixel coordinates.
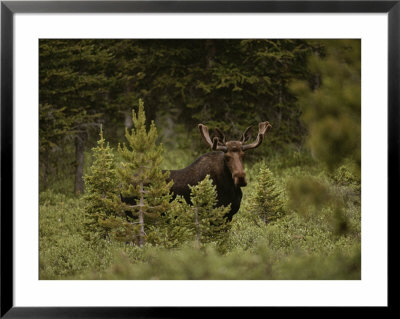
(234, 150)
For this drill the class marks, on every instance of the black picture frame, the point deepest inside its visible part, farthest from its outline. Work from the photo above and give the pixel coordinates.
(9, 8)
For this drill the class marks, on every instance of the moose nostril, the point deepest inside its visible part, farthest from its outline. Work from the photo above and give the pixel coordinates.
(240, 179)
(239, 175)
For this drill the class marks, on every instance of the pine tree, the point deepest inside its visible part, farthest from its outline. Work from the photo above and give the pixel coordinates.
(206, 221)
(171, 230)
(266, 202)
(332, 115)
(332, 109)
(73, 94)
(102, 196)
(140, 174)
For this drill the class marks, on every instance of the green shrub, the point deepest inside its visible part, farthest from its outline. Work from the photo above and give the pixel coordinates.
(336, 266)
(102, 193)
(266, 202)
(171, 229)
(63, 250)
(295, 246)
(140, 175)
(262, 263)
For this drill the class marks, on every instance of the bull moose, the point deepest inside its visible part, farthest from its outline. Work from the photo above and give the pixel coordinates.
(224, 165)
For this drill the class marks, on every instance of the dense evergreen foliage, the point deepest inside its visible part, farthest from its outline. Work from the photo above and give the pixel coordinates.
(227, 83)
(143, 183)
(266, 201)
(102, 193)
(72, 95)
(332, 111)
(205, 219)
(300, 216)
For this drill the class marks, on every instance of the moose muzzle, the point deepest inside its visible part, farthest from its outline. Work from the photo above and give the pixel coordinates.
(239, 179)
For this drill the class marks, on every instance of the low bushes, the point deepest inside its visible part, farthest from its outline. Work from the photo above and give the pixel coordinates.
(293, 246)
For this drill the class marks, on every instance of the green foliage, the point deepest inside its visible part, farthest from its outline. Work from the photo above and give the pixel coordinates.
(229, 83)
(308, 195)
(72, 94)
(171, 229)
(332, 108)
(313, 197)
(208, 264)
(63, 249)
(54, 125)
(102, 193)
(344, 176)
(140, 174)
(336, 266)
(200, 223)
(266, 202)
(332, 113)
(291, 247)
(313, 150)
(206, 221)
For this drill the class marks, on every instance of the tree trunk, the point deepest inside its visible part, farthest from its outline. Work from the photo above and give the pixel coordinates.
(128, 119)
(44, 171)
(210, 53)
(80, 140)
(197, 227)
(141, 219)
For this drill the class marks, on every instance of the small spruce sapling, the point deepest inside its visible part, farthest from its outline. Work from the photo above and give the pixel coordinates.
(102, 196)
(206, 221)
(171, 230)
(266, 202)
(140, 174)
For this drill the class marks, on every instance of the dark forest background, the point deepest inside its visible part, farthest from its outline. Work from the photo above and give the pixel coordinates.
(308, 89)
(229, 84)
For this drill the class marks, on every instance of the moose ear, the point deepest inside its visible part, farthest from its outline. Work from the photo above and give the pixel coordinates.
(246, 136)
(220, 135)
(214, 144)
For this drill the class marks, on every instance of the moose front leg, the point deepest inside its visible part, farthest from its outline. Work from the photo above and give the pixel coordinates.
(235, 204)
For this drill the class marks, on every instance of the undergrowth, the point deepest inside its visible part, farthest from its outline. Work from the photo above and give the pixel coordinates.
(294, 246)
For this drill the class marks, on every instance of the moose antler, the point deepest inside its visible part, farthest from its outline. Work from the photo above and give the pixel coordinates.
(206, 137)
(262, 129)
(246, 135)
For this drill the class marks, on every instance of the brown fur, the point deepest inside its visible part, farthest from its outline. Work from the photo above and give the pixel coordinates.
(213, 164)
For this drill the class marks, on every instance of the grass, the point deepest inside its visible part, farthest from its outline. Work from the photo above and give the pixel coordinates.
(295, 246)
